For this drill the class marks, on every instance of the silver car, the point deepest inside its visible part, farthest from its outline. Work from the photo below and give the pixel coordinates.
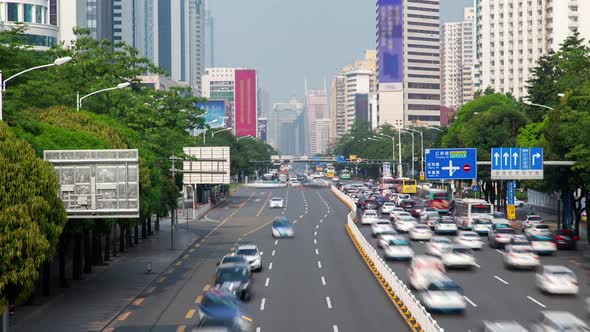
(558, 321)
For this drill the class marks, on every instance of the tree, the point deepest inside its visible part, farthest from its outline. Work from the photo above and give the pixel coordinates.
(31, 216)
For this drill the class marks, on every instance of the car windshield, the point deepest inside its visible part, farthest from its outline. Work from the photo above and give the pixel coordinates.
(447, 221)
(444, 285)
(499, 215)
(399, 242)
(505, 231)
(441, 240)
(217, 301)
(383, 222)
(461, 251)
(247, 252)
(421, 227)
(234, 273)
(539, 238)
(542, 227)
(281, 223)
(407, 219)
(470, 235)
(562, 273)
(535, 218)
(233, 259)
(276, 199)
(482, 222)
(521, 250)
(388, 204)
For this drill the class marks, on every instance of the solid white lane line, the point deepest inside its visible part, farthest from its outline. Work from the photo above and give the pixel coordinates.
(335, 328)
(273, 253)
(470, 302)
(315, 241)
(262, 304)
(477, 265)
(317, 252)
(500, 251)
(319, 264)
(315, 233)
(270, 266)
(323, 281)
(266, 283)
(276, 242)
(258, 329)
(261, 253)
(329, 302)
(501, 280)
(537, 302)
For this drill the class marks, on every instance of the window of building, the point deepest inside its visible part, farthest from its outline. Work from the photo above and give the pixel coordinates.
(28, 14)
(422, 9)
(423, 118)
(39, 14)
(414, 85)
(117, 15)
(434, 62)
(435, 77)
(420, 107)
(424, 68)
(12, 12)
(423, 96)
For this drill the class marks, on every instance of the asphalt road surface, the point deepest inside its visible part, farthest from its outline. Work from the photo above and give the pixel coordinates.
(315, 281)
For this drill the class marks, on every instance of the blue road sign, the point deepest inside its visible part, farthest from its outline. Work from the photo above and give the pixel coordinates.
(511, 192)
(451, 164)
(475, 189)
(517, 163)
(341, 160)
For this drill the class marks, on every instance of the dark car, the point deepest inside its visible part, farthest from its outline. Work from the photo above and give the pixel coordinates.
(416, 210)
(500, 235)
(361, 204)
(223, 310)
(379, 200)
(565, 239)
(371, 204)
(235, 279)
(407, 205)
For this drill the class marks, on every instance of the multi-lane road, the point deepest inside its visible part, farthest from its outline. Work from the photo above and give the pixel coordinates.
(316, 281)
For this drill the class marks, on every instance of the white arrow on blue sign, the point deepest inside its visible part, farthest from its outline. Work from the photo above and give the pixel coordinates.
(517, 163)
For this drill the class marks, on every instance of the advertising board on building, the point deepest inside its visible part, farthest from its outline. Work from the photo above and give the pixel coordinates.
(262, 129)
(245, 115)
(215, 112)
(390, 29)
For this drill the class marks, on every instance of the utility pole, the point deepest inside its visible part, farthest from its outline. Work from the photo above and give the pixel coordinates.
(174, 215)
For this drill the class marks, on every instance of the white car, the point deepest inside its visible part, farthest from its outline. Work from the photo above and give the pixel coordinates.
(469, 239)
(369, 217)
(250, 251)
(443, 295)
(559, 321)
(397, 215)
(458, 257)
(445, 227)
(424, 269)
(380, 226)
(401, 197)
(521, 257)
(557, 279)
(482, 226)
(543, 245)
(383, 240)
(294, 183)
(532, 219)
(335, 179)
(398, 248)
(420, 232)
(276, 202)
(438, 245)
(538, 230)
(405, 224)
(519, 203)
(387, 207)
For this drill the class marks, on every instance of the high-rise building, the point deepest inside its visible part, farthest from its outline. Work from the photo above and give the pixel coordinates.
(42, 29)
(408, 54)
(316, 107)
(357, 83)
(288, 128)
(96, 16)
(511, 35)
(338, 107)
(209, 38)
(219, 83)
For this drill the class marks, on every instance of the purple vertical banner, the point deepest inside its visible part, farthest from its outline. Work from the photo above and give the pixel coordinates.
(262, 123)
(390, 46)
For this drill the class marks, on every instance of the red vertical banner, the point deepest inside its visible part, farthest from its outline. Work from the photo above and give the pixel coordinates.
(245, 120)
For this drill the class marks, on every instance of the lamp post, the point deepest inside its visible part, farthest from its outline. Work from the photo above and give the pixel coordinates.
(249, 136)
(421, 148)
(80, 99)
(526, 102)
(399, 160)
(57, 62)
(205, 131)
(220, 130)
(405, 131)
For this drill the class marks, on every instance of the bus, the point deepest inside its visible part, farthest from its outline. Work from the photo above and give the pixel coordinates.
(465, 210)
(330, 171)
(405, 185)
(387, 182)
(438, 199)
(345, 174)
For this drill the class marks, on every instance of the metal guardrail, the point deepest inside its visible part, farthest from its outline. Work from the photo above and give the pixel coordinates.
(399, 288)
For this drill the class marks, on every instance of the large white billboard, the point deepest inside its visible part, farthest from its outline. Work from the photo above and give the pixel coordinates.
(206, 165)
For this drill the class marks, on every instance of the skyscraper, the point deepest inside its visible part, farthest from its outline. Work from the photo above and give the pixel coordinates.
(316, 107)
(288, 128)
(338, 107)
(408, 62)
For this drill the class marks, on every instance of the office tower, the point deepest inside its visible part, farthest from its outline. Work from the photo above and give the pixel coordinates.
(316, 107)
(42, 31)
(511, 35)
(408, 55)
(209, 38)
(338, 106)
(96, 16)
(287, 129)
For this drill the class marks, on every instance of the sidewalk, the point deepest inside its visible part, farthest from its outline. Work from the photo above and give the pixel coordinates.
(90, 304)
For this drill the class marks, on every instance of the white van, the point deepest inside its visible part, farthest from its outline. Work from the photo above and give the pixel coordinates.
(293, 182)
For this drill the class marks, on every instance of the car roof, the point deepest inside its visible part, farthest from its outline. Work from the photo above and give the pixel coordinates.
(467, 232)
(383, 221)
(247, 246)
(556, 268)
(504, 326)
(563, 317)
(370, 211)
(440, 238)
(277, 198)
(533, 215)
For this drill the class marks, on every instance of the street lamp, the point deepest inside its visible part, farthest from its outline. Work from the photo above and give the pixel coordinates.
(249, 136)
(57, 62)
(526, 102)
(413, 148)
(220, 130)
(205, 131)
(399, 160)
(421, 148)
(80, 99)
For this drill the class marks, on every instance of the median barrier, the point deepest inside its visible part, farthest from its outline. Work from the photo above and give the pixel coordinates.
(414, 313)
(265, 185)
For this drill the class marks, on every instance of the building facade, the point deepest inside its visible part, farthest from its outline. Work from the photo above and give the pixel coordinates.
(408, 56)
(316, 107)
(287, 130)
(357, 83)
(511, 35)
(338, 105)
(42, 32)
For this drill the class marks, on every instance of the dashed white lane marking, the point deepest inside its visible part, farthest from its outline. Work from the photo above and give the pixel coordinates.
(335, 328)
(258, 329)
(262, 304)
(317, 226)
(323, 281)
(315, 233)
(537, 302)
(319, 264)
(261, 253)
(500, 252)
(329, 302)
(321, 220)
(470, 302)
(270, 266)
(317, 252)
(283, 212)
(266, 282)
(273, 253)
(315, 241)
(276, 242)
(325, 215)
(476, 264)
(501, 280)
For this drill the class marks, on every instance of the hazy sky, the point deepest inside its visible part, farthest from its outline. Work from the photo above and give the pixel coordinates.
(286, 40)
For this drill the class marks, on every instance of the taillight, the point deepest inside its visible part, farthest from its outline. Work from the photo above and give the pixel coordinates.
(559, 237)
(498, 236)
(541, 221)
(575, 238)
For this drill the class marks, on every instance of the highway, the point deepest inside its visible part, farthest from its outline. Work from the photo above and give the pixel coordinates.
(316, 281)
(495, 293)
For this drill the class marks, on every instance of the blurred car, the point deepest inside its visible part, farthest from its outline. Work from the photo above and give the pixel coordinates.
(458, 256)
(335, 179)
(282, 227)
(416, 211)
(420, 232)
(378, 199)
(234, 278)
(482, 226)
(397, 215)
(387, 207)
(276, 202)
(394, 211)
(380, 226)
(250, 251)
(520, 257)
(542, 244)
(565, 239)
(432, 219)
(233, 259)
(438, 245)
(399, 198)
(557, 279)
(519, 240)
(425, 269)
(469, 239)
(559, 321)
(398, 248)
(425, 214)
(502, 326)
(519, 203)
(404, 223)
(220, 310)
(531, 219)
(369, 217)
(443, 296)
(407, 205)
(537, 229)
(499, 235)
(370, 204)
(383, 240)
(445, 226)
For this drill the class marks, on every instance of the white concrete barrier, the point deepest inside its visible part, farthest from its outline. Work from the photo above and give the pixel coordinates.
(264, 185)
